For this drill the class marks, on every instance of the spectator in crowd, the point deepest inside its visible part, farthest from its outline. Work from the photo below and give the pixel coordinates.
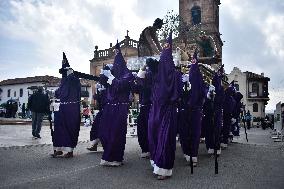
(24, 110)
(248, 119)
(39, 105)
(86, 115)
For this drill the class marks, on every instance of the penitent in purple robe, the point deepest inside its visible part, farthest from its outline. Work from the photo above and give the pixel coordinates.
(196, 100)
(113, 124)
(236, 114)
(183, 127)
(214, 131)
(143, 88)
(67, 119)
(101, 100)
(163, 114)
(229, 105)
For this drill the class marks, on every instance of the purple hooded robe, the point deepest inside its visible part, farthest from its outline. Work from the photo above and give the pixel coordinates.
(67, 119)
(217, 113)
(143, 88)
(229, 105)
(236, 114)
(113, 124)
(196, 100)
(163, 114)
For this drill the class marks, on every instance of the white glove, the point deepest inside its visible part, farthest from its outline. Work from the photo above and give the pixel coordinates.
(185, 78)
(110, 78)
(102, 71)
(107, 73)
(141, 74)
(233, 120)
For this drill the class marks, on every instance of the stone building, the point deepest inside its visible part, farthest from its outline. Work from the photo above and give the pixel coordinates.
(254, 88)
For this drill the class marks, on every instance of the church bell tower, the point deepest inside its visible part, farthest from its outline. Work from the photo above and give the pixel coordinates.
(204, 14)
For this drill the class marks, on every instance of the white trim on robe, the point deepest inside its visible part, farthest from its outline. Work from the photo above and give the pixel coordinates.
(152, 163)
(194, 159)
(162, 172)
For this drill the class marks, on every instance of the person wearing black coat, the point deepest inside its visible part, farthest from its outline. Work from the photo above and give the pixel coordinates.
(39, 105)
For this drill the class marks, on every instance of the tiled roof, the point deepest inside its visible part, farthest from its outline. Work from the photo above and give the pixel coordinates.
(50, 81)
(251, 75)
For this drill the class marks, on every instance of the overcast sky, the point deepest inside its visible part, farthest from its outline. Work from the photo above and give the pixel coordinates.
(33, 34)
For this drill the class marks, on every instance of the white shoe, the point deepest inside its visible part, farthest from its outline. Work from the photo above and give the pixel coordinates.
(219, 152)
(111, 164)
(194, 161)
(145, 155)
(210, 151)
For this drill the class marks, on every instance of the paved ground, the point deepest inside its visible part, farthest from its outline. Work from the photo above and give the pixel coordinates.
(259, 164)
(21, 135)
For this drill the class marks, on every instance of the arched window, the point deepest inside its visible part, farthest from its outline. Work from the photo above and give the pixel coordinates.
(237, 87)
(255, 107)
(21, 92)
(255, 88)
(196, 15)
(9, 93)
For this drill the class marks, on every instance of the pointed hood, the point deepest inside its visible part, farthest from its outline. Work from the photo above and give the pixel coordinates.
(195, 76)
(65, 63)
(221, 69)
(165, 87)
(238, 96)
(232, 84)
(166, 62)
(217, 79)
(231, 88)
(119, 66)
